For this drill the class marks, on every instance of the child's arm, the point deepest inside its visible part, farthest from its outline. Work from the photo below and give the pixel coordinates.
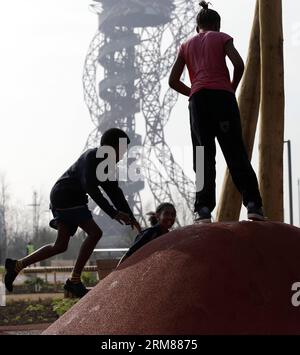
(140, 241)
(122, 213)
(105, 206)
(116, 195)
(90, 184)
(175, 76)
(101, 201)
(237, 62)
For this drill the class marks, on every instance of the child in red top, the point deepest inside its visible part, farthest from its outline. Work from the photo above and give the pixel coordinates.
(214, 112)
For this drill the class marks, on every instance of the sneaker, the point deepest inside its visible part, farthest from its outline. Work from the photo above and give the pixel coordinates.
(255, 213)
(203, 216)
(11, 274)
(75, 290)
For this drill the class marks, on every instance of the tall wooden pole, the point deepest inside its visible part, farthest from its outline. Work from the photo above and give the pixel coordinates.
(272, 108)
(249, 101)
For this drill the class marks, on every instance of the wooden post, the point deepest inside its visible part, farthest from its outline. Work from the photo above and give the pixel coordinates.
(55, 281)
(249, 101)
(272, 108)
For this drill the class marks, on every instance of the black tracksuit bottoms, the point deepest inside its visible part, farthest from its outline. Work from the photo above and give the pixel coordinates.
(215, 114)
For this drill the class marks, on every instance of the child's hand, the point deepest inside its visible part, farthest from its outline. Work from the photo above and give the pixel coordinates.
(135, 223)
(123, 218)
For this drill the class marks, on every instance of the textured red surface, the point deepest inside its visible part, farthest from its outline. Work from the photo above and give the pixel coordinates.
(224, 278)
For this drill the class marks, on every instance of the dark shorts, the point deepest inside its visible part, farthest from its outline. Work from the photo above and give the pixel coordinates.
(71, 217)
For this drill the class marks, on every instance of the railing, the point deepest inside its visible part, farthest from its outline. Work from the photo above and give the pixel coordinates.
(55, 269)
(103, 267)
(106, 266)
(49, 269)
(110, 250)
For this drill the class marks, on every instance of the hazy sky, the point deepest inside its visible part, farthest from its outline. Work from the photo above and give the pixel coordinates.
(44, 120)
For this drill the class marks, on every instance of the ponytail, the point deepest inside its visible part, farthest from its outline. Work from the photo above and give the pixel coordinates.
(152, 218)
(207, 18)
(204, 4)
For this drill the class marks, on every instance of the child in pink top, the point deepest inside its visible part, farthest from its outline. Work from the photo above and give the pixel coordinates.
(205, 59)
(214, 111)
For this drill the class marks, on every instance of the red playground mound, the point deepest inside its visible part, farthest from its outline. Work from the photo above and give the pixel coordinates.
(223, 278)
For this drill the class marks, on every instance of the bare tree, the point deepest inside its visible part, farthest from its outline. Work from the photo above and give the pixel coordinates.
(18, 223)
(3, 216)
(38, 206)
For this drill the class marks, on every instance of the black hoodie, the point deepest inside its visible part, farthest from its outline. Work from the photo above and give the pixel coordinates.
(80, 179)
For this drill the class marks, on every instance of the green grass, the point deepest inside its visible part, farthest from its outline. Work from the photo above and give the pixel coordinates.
(28, 312)
(34, 312)
(63, 305)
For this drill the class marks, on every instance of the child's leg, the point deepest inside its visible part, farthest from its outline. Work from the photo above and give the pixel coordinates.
(13, 267)
(94, 233)
(74, 285)
(232, 145)
(47, 251)
(203, 135)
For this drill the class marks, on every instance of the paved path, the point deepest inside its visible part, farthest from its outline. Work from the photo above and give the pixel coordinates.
(30, 329)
